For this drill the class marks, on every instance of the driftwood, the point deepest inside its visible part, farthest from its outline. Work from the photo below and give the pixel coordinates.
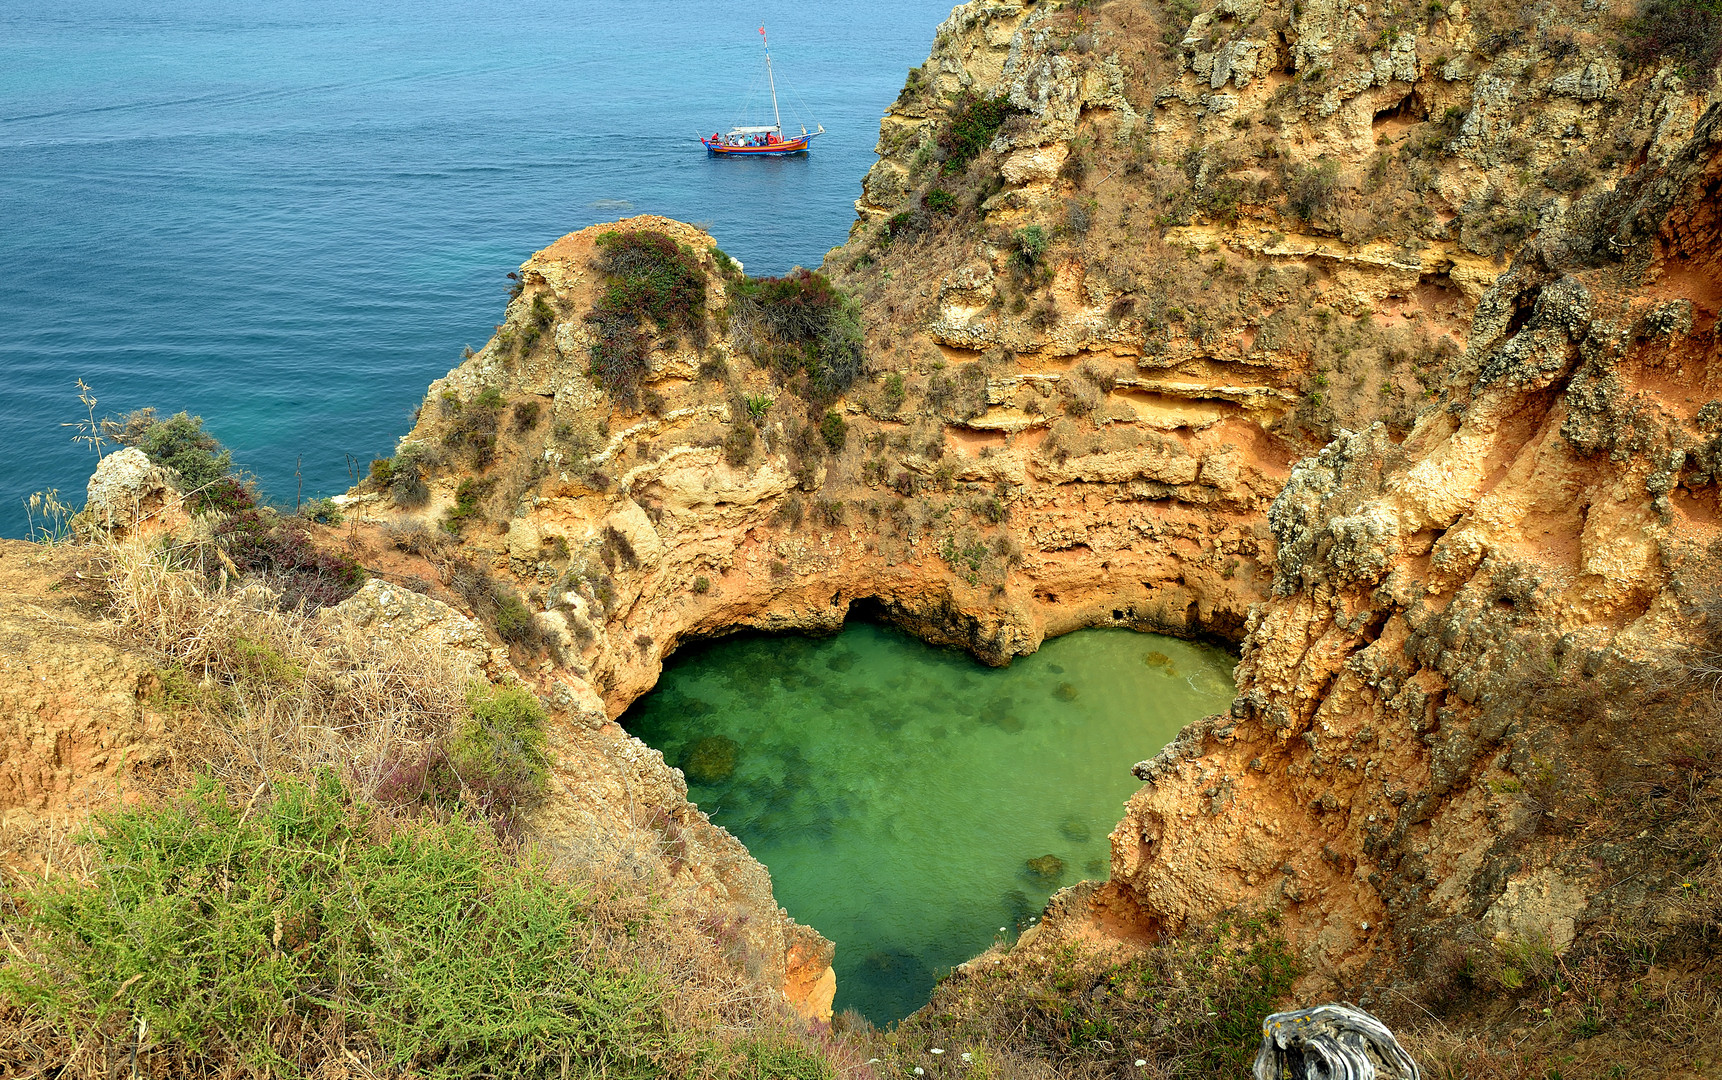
(1331, 1042)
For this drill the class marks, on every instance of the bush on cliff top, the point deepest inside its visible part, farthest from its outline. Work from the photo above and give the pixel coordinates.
(800, 324)
(647, 275)
(181, 444)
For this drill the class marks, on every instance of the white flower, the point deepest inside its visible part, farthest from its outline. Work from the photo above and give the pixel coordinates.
(967, 1056)
(935, 1050)
(1141, 1062)
(920, 1071)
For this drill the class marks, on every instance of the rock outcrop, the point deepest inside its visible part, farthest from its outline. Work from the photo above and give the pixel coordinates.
(130, 495)
(1478, 644)
(1378, 344)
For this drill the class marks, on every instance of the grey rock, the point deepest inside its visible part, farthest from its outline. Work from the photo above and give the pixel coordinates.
(128, 490)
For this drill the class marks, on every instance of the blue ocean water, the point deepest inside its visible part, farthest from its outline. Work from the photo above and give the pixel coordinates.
(289, 217)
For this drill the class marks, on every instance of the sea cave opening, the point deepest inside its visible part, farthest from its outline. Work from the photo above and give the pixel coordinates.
(912, 804)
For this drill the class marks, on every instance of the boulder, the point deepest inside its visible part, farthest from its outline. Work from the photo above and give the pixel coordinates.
(131, 495)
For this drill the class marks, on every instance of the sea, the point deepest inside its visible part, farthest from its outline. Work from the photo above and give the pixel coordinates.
(288, 217)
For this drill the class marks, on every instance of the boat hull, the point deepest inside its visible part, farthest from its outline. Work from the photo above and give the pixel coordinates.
(782, 149)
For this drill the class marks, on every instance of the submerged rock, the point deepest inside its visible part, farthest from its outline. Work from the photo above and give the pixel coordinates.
(1047, 867)
(1157, 659)
(1075, 830)
(710, 760)
(1064, 691)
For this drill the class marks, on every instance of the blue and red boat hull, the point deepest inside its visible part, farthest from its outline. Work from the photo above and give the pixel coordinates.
(797, 145)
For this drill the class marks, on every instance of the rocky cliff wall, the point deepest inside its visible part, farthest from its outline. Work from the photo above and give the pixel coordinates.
(1184, 251)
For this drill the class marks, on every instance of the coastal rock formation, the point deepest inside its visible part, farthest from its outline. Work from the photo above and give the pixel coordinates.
(128, 493)
(1377, 343)
(1480, 638)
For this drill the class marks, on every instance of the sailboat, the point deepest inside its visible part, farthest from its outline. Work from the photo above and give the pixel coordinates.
(766, 140)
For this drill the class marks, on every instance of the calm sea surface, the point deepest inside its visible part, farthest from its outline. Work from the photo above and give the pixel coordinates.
(290, 217)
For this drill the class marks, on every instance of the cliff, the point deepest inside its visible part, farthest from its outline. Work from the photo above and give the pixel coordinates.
(1375, 342)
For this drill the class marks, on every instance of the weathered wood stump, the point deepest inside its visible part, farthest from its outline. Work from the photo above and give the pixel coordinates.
(1331, 1042)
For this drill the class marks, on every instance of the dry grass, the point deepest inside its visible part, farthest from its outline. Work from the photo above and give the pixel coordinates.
(260, 692)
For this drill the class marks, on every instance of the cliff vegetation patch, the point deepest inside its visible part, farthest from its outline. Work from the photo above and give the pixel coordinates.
(1187, 1007)
(281, 901)
(245, 537)
(647, 276)
(973, 123)
(1688, 32)
(799, 325)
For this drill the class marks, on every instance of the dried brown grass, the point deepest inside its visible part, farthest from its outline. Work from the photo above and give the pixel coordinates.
(259, 692)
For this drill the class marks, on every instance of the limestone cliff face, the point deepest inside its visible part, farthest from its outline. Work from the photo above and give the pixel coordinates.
(1263, 222)
(1181, 255)
(1456, 708)
(1288, 224)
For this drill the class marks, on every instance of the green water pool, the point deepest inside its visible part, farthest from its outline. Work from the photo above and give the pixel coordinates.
(905, 798)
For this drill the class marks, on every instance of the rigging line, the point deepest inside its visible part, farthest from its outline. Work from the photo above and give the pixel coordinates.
(750, 102)
(805, 112)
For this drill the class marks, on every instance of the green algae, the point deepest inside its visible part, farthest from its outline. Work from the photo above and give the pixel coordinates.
(900, 793)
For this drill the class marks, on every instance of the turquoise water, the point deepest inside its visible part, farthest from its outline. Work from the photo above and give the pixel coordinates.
(290, 216)
(905, 798)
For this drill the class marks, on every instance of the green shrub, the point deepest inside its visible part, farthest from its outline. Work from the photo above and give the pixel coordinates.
(738, 444)
(800, 324)
(1310, 192)
(940, 201)
(502, 749)
(321, 511)
(474, 428)
(215, 933)
(514, 620)
(833, 430)
(466, 504)
(1031, 245)
(407, 486)
(702, 585)
(903, 224)
(181, 444)
(895, 391)
(647, 276)
(526, 415)
(973, 123)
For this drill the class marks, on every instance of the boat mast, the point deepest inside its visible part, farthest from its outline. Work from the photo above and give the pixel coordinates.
(772, 79)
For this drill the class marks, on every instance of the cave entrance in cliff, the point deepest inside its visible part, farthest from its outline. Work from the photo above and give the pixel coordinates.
(912, 804)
